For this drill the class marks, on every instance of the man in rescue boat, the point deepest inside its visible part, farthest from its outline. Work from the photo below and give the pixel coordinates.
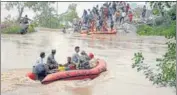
(39, 69)
(51, 62)
(93, 61)
(70, 64)
(76, 57)
(84, 61)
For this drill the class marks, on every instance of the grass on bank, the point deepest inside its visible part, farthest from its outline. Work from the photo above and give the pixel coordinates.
(157, 30)
(16, 28)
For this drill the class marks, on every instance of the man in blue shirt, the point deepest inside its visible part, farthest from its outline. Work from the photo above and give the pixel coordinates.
(39, 68)
(76, 57)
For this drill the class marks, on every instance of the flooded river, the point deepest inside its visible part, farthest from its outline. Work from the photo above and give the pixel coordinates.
(19, 53)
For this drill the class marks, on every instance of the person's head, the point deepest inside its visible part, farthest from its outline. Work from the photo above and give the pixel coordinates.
(91, 55)
(42, 54)
(77, 49)
(130, 12)
(69, 59)
(53, 52)
(26, 16)
(112, 21)
(144, 6)
(97, 6)
(83, 53)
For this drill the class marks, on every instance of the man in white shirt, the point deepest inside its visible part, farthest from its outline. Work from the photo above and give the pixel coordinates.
(76, 57)
(122, 16)
(39, 68)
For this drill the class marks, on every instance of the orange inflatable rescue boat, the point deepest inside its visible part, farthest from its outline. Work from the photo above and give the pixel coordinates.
(76, 74)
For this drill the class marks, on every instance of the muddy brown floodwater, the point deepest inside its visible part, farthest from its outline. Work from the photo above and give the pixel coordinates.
(19, 52)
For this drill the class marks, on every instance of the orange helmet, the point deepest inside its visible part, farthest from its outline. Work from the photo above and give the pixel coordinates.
(91, 55)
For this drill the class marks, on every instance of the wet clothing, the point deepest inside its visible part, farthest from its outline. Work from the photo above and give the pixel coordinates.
(51, 62)
(39, 61)
(114, 7)
(90, 17)
(51, 59)
(84, 65)
(70, 65)
(24, 25)
(106, 12)
(127, 8)
(110, 12)
(93, 63)
(25, 20)
(104, 28)
(85, 17)
(122, 17)
(92, 25)
(130, 17)
(85, 27)
(64, 30)
(84, 62)
(144, 12)
(98, 25)
(75, 59)
(24, 28)
(112, 25)
(101, 22)
(117, 15)
(84, 58)
(39, 69)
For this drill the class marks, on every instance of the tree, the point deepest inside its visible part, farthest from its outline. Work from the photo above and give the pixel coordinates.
(20, 6)
(68, 16)
(165, 74)
(160, 7)
(45, 14)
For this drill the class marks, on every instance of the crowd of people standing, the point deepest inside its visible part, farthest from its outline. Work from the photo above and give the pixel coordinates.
(106, 16)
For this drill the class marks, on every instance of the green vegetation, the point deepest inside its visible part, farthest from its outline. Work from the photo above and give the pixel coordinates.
(49, 18)
(20, 6)
(165, 73)
(14, 28)
(46, 16)
(157, 30)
